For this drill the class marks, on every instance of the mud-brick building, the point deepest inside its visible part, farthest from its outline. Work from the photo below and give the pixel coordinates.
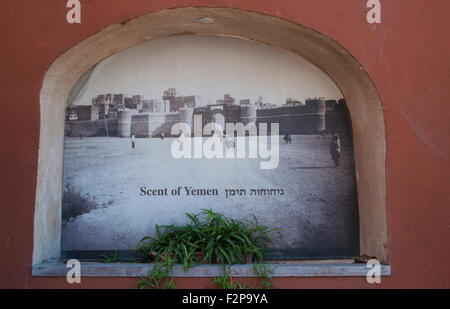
(79, 112)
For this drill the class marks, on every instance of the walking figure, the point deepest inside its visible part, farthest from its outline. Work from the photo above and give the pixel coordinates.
(230, 142)
(335, 149)
(287, 138)
(180, 136)
(133, 142)
(162, 135)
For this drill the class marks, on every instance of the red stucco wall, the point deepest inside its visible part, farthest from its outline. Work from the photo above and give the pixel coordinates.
(407, 57)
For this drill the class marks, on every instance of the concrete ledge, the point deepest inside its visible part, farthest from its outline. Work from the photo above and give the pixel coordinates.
(59, 269)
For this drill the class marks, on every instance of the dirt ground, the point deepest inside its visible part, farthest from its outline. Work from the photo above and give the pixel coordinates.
(318, 208)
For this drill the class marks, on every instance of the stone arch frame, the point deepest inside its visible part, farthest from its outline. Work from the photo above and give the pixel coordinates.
(359, 92)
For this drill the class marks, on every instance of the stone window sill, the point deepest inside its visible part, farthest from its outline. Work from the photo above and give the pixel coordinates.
(291, 269)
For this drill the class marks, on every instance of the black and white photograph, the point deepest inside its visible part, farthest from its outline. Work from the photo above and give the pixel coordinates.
(187, 123)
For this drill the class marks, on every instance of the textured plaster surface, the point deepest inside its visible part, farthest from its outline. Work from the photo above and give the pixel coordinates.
(405, 57)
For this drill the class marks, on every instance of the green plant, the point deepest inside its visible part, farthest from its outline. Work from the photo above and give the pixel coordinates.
(210, 237)
(225, 282)
(159, 276)
(264, 271)
(112, 259)
(261, 270)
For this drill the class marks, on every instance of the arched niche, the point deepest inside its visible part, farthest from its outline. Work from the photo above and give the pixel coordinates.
(361, 97)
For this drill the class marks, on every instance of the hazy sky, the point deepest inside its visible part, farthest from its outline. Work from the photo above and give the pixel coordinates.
(208, 67)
